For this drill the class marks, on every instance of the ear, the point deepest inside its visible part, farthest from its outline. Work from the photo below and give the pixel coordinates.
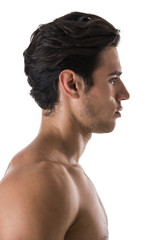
(69, 83)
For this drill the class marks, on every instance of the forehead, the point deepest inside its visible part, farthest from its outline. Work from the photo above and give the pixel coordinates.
(109, 60)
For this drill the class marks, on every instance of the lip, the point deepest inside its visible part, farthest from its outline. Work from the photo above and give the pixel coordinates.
(117, 114)
(119, 109)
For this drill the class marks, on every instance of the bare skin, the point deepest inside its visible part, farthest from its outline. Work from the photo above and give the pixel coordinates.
(45, 193)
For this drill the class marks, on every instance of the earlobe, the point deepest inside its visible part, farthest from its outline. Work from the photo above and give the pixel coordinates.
(67, 80)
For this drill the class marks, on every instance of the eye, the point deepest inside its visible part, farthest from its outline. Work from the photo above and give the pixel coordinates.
(113, 80)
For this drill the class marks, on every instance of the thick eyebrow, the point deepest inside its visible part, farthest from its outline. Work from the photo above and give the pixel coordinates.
(115, 73)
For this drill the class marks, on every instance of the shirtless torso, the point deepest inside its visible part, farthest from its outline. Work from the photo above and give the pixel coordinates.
(27, 193)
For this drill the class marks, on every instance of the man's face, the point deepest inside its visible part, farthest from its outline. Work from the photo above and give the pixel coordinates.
(100, 106)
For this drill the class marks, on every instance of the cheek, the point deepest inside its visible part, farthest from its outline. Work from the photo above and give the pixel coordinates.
(112, 102)
(89, 109)
(101, 107)
(99, 103)
(107, 100)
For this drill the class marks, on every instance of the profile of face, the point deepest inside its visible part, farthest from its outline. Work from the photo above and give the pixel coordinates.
(99, 107)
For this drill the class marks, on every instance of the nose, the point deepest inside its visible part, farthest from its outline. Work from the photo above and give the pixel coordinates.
(123, 94)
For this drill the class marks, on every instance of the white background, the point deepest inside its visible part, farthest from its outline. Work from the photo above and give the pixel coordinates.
(123, 165)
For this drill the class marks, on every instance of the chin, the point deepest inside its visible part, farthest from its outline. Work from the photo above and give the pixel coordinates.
(99, 127)
(104, 128)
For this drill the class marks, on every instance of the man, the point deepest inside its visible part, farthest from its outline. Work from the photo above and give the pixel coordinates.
(74, 70)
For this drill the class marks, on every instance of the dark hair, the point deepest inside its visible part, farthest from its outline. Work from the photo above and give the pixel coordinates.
(74, 42)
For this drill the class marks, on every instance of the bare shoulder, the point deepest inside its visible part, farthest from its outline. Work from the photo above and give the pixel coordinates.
(37, 201)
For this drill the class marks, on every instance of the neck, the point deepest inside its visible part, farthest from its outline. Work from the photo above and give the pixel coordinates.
(61, 136)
